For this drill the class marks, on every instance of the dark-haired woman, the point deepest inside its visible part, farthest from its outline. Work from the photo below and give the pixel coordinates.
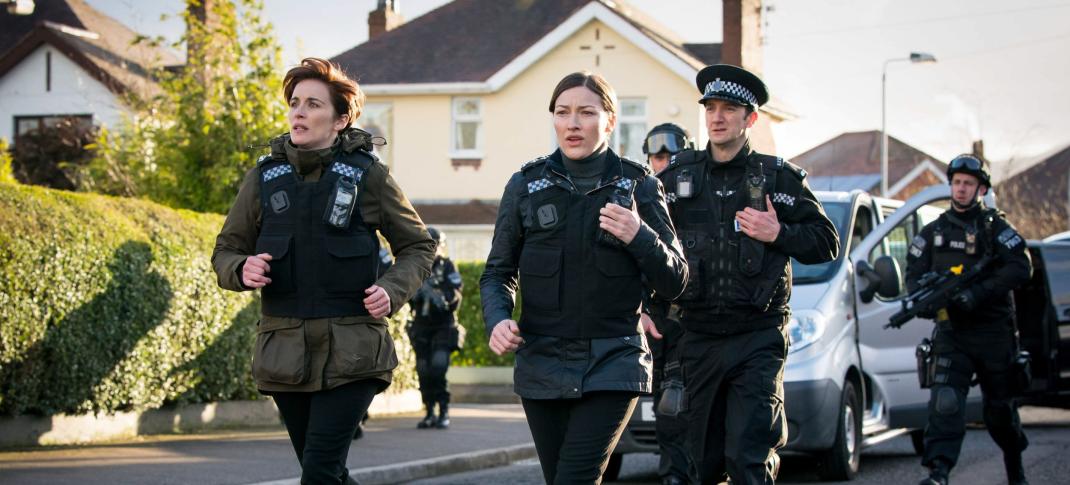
(302, 230)
(582, 229)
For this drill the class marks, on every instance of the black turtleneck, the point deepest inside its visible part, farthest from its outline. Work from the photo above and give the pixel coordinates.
(586, 173)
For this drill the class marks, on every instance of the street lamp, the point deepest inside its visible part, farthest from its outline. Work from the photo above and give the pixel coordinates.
(915, 57)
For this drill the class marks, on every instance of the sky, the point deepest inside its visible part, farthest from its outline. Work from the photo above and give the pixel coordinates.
(1001, 74)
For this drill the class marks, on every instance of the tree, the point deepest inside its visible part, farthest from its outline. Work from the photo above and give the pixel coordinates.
(189, 145)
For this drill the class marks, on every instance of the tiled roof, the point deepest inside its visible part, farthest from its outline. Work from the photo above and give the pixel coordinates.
(471, 40)
(98, 43)
(1036, 199)
(859, 153)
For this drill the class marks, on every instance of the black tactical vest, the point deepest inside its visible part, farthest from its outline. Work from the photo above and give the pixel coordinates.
(729, 273)
(317, 270)
(961, 239)
(571, 284)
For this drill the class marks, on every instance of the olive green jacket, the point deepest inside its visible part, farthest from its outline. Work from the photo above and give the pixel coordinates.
(294, 354)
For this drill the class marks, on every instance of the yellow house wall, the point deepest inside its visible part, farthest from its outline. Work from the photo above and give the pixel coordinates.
(515, 121)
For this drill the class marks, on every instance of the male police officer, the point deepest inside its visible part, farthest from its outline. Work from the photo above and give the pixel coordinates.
(661, 143)
(741, 215)
(434, 333)
(977, 334)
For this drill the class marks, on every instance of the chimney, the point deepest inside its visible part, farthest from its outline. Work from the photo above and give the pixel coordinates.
(742, 42)
(201, 18)
(384, 18)
(978, 149)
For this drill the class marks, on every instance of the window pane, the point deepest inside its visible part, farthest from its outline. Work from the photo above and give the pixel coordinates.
(466, 135)
(378, 119)
(631, 140)
(466, 107)
(633, 107)
(26, 125)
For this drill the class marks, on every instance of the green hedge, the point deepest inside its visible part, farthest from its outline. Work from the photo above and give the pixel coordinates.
(111, 304)
(476, 352)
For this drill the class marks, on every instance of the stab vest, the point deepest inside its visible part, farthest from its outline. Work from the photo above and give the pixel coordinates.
(317, 270)
(571, 284)
(729, 273)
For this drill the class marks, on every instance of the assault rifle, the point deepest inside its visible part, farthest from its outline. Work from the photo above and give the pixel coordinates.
(935, 289)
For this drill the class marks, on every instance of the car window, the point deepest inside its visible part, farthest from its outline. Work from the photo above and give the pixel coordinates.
(896, 243)
(861, 228)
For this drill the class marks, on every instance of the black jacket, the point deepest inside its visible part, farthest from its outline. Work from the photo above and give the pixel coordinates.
(1011, 269)
(655, 249)
(567, 362)
(738, 284)
(439, 297)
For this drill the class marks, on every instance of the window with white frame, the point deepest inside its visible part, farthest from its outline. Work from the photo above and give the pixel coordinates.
(631, 129)
(378, 119)
(467, 136)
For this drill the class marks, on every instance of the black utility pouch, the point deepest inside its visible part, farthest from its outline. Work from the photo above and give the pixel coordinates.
(926, 363)
(1023, 371)
(622, 198)
(673, 398)
(340, 205)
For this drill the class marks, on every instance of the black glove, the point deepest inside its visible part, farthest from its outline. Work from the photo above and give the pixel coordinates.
(965, 300)
(928, 313)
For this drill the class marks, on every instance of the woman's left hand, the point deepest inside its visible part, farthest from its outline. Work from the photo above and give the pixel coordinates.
(377, 302)
(622, 223)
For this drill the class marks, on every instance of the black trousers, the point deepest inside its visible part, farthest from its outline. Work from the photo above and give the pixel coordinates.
(735, 416)
(574, 437)
(433, 346)
(671, 431)
(987, 351)
(321, 426)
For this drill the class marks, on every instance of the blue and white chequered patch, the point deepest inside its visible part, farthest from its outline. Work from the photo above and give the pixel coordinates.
(347, 171)
(670, 197)
(726, 193)
(625, 184)
(730, 89)
(784, 199)
(537, 185)
(278, 171)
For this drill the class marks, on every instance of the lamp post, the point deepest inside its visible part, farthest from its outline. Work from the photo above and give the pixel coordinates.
(915, 57)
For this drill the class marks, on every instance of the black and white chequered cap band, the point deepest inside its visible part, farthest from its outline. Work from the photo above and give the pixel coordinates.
(729, 89)
(625, 184)
(275, 172)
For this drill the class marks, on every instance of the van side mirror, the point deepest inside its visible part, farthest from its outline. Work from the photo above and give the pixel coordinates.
(883, 278)
(871, 281)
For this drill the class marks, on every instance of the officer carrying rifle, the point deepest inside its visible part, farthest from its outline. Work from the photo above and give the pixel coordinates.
(975, 329)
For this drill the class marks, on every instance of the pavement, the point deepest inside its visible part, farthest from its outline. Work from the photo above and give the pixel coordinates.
(486, 443)
(392, 451)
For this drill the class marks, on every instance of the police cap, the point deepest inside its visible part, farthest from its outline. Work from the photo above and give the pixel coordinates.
(731, 83)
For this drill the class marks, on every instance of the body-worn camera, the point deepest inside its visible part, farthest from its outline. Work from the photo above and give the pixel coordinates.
(622, 198)
(340, 206)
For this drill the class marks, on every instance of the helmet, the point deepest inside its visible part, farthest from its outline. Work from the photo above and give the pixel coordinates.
(669, 137)
(970, 165)
(436, 234)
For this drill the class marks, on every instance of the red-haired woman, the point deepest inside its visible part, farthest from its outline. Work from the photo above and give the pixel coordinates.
(303, 231)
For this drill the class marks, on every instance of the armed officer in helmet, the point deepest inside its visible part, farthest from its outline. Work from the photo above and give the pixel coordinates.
(664, 141)
(741, 216)
(434, 333)
(977, 333)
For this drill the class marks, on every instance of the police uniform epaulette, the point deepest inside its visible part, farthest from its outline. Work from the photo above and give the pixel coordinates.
(262, 160)
(685, 157)
(643, 168)
(791, 167)
(533, 163)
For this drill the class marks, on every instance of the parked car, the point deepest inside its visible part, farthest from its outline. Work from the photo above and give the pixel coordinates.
(848, 382)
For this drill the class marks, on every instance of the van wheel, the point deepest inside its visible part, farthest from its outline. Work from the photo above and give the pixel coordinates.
(842, 461)
(917, 438)
(613, 468)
